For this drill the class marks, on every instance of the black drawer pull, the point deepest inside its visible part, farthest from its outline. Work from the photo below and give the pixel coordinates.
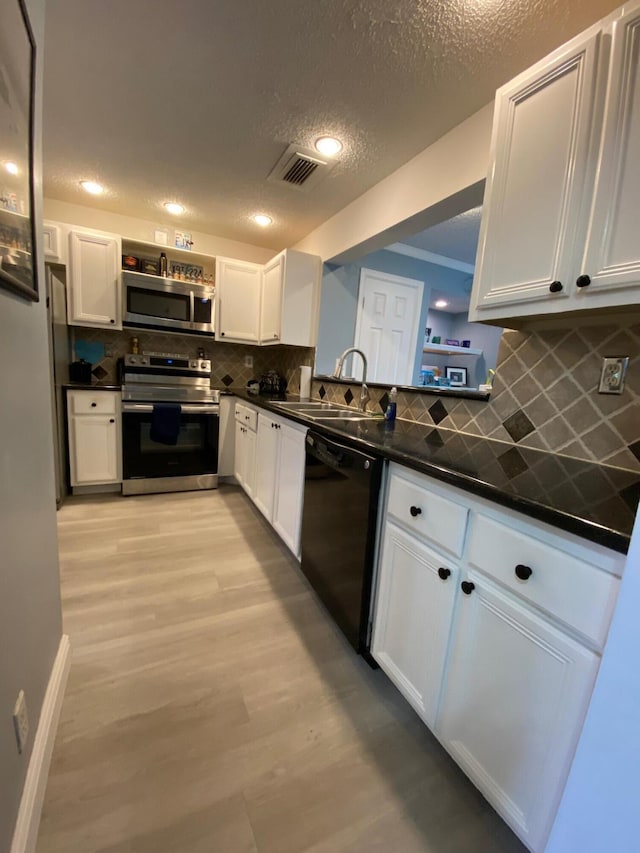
(583, 281)
(443, 574)
(112, 420)
(467, 587)
(523, 572)
(415, 510)
(555, 286)
(93, 405)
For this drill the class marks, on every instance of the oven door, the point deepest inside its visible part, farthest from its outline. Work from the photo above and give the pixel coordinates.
(194, 455)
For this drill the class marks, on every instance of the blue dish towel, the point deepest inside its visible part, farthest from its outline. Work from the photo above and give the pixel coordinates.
(165, 423)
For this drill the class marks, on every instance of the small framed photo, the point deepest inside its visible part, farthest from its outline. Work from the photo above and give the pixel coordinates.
(452, 342)
(456, 375)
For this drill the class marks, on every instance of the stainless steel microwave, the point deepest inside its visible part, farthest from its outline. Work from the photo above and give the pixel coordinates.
(167, 304)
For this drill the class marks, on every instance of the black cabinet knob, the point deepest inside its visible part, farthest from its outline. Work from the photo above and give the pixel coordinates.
(112, 420)
(467, 587)
(443, 574)
(222, 334)
(583, 281)
(523, 572)
(112, 321)
(555, 286)
(93, 405)
(415, 510)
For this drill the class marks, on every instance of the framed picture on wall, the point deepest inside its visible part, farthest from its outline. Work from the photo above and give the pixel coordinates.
(18, 271)
(456, 375)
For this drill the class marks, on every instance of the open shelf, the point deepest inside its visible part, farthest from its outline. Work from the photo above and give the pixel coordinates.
(445, 349)
(145, 276)
(146, 248)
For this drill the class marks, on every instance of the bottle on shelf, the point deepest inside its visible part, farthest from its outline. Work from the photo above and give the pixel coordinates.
(163, 265)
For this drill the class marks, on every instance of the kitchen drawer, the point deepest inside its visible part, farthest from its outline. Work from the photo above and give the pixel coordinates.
(430, 515)
(247, 416)
(89, 403)
(578, 594)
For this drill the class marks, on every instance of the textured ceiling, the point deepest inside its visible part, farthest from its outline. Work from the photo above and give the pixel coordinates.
(197, 100)
(456, 238)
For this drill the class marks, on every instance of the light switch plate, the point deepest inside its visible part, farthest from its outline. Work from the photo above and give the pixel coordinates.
(612, 376)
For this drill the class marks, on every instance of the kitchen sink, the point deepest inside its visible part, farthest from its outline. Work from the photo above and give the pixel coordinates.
(312, 405)
(317, 411)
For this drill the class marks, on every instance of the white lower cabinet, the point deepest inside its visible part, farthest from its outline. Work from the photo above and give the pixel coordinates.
(417, 589)
(279, 481)
(514, 699)
(497, 645)
(94, 438)
(245, 447)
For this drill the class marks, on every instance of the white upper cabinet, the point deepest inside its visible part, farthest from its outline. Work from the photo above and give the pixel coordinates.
(290, 299)
(238, 294)
(559, 231)
(93, 282)
(612, 257)
(52, 242)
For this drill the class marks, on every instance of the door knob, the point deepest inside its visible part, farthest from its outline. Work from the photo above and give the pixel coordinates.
(415, 510)
(523, 572)
(555, 286)
(467, 587)
(583, 281)
(443, 574)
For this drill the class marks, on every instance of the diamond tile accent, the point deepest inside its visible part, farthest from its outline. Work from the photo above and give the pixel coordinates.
(435, 438)
(438, 412)
(348, 397)
(99, 372)
(322, 392)
(635, 449)
(384, 401)
(227, 380)
(518, 425)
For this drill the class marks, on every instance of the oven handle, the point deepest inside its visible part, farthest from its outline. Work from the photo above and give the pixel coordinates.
(146, 408)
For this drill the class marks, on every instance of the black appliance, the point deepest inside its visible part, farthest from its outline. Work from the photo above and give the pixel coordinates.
(339, 516)
(80, 371)
(168, 304)
(272, 383)
(150, 465)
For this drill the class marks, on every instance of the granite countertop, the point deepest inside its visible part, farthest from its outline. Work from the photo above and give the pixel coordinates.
(596, 502)
(90, 386)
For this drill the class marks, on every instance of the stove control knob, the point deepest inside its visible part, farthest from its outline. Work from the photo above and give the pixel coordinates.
(193, 364)
(144, 361)
(203, 365)
(133, 360)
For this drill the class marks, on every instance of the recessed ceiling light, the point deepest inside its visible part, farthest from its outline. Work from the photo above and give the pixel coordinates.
(174, 207)
(92, 187)
(441, 303)
(262, 219)
(11, 168)
(328, 145)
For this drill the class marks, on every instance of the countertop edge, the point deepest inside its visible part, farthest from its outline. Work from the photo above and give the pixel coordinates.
(585, 529)
(82, 386)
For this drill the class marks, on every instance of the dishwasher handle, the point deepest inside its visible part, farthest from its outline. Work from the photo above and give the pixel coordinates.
(336, 455)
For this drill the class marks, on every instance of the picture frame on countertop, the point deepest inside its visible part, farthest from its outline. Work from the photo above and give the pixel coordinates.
(457, 376)
(18, 267)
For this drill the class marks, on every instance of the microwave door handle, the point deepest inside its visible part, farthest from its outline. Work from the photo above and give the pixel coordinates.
(192, 313)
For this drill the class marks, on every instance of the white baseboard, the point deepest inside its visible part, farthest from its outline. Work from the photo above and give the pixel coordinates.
(26, 831)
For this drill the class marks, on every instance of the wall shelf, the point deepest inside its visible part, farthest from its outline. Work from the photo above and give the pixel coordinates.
(445, 349)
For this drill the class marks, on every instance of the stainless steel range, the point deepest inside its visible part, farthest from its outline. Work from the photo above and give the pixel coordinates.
(170, 424)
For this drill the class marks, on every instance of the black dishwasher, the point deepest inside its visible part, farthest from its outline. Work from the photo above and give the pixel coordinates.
(341, 489)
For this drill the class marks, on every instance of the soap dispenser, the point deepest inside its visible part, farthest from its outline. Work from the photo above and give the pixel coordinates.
(390, 414)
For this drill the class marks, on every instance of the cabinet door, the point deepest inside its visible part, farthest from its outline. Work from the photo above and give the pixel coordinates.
(52, 243)
(300, 298)
(540, 182)
(250, 462)
(414, 609)
(238, 286)
(266, 460)
(240, 454)
(287, 511)
(94, 280)
(94, 454)
(612, 258)
(514, 700)
(271, 307)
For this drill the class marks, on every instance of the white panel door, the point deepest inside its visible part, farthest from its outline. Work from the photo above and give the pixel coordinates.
(387, 321)
(514, 699)
(287, 511)
(540, 181)
(238, 287)
(94, 280)
(266, 465)
(413, 618)
(612, 258)
(271, 305)
(94, 455)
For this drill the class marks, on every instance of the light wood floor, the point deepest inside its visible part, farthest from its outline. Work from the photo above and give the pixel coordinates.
(213, 706)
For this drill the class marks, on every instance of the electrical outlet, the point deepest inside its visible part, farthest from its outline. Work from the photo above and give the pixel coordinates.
(248, 361)
(612, 375)
(21, 721)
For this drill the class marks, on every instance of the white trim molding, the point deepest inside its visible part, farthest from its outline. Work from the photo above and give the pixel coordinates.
(431, 257)
(26, 832)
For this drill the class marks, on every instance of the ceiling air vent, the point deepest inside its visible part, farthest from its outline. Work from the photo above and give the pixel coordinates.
(300, 168)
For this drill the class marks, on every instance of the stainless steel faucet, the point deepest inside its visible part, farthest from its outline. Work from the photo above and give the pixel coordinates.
(364, 392)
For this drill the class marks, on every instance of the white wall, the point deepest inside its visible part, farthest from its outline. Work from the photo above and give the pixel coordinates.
(142, 229)
(456, 165)
(30, 619)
